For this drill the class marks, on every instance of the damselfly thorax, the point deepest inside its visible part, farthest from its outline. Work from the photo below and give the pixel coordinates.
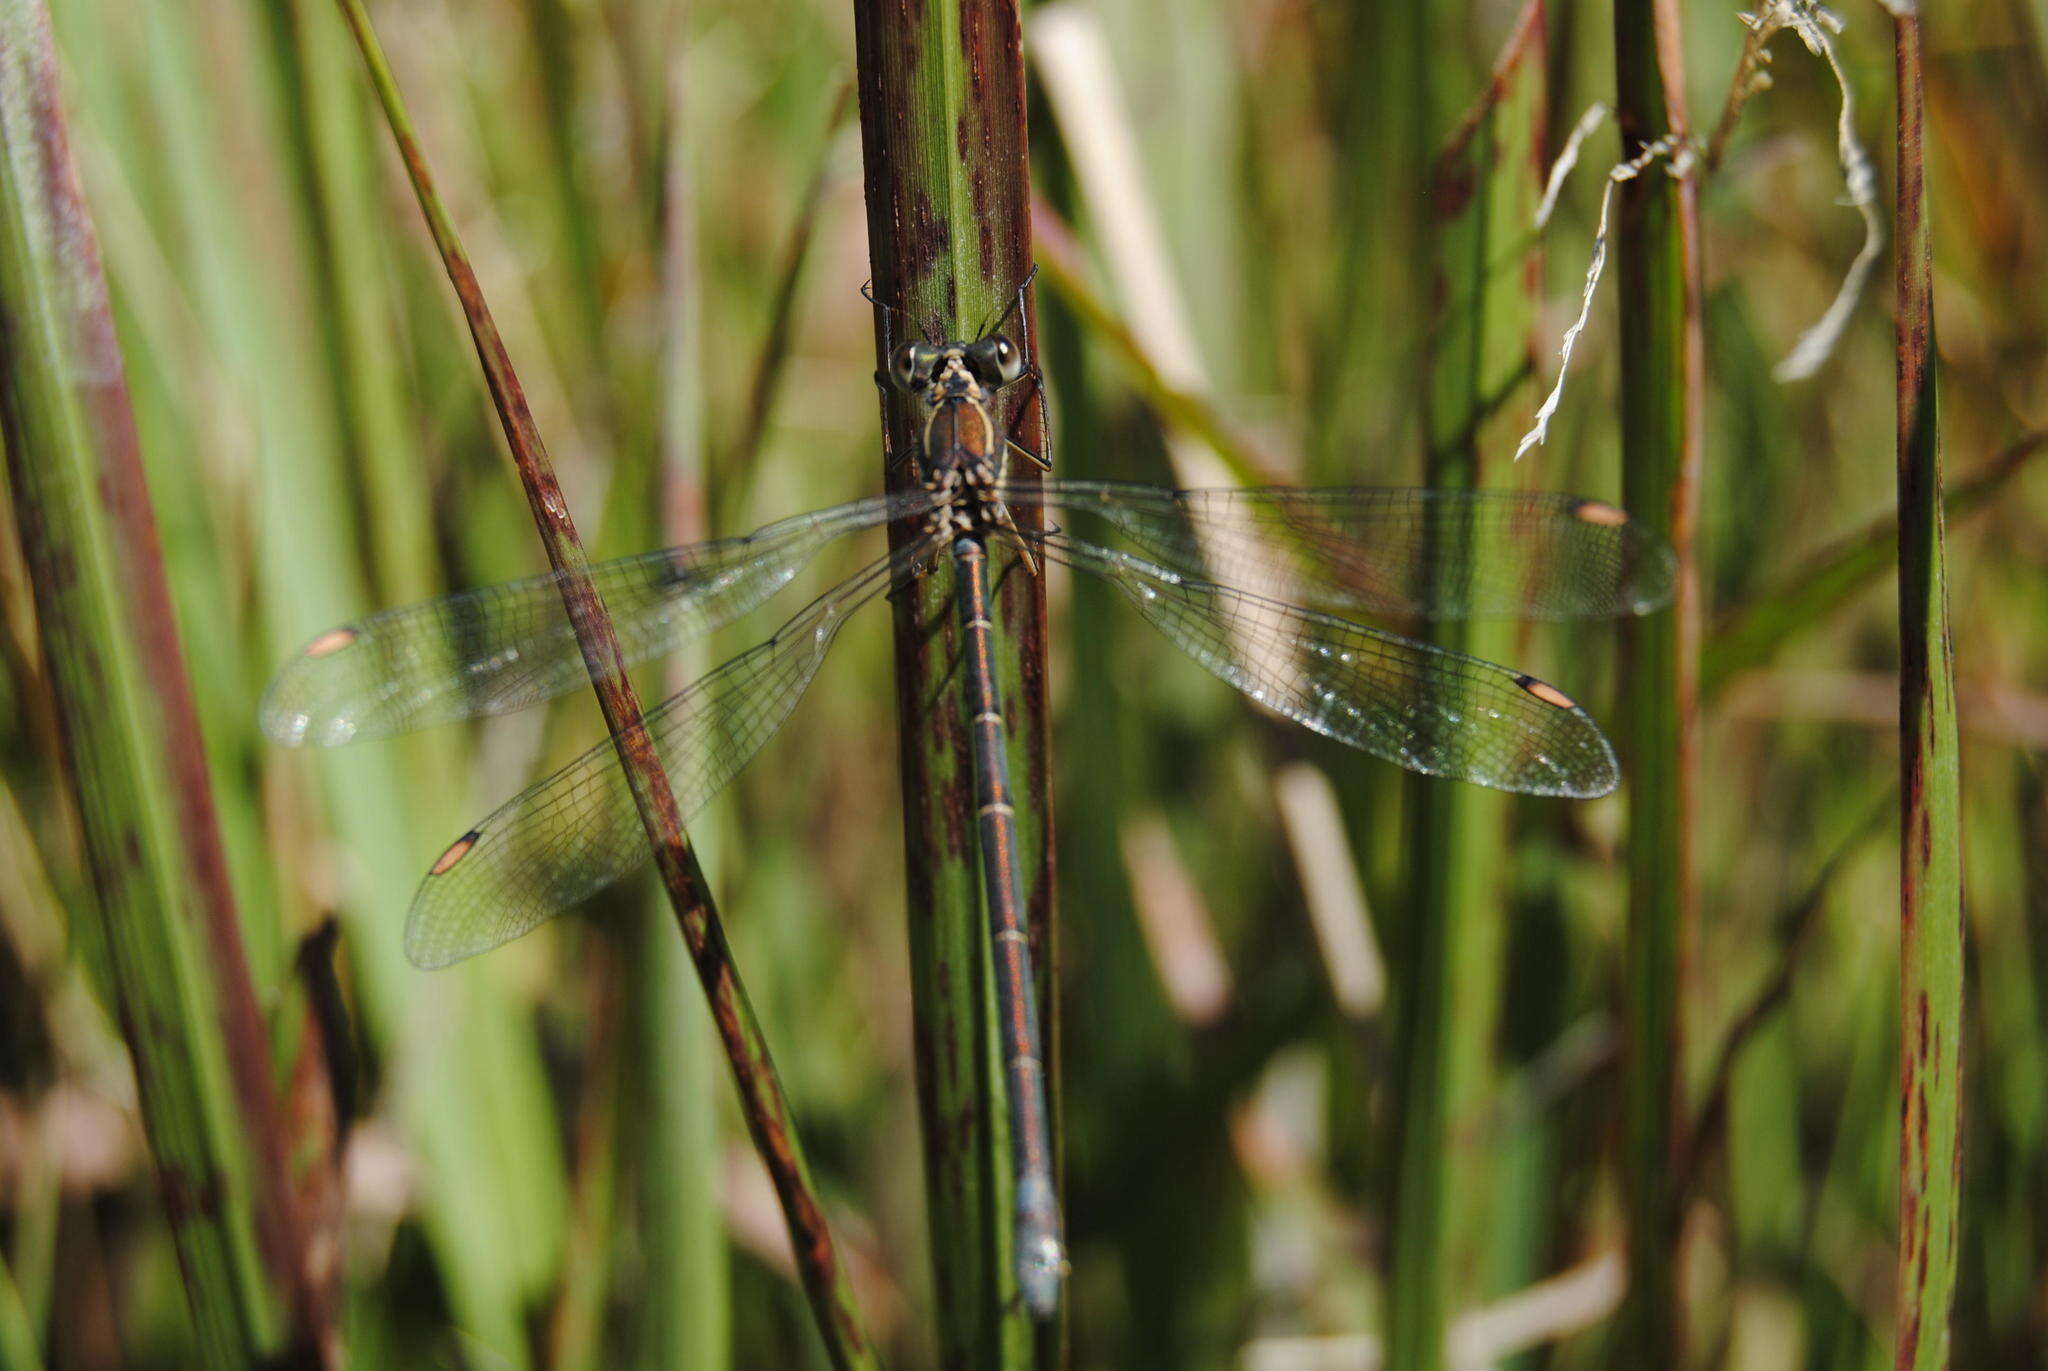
(964, 446)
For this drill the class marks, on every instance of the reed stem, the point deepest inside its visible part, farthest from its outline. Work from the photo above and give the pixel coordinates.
(1930, 818)
(1657, 295)
(1483, 189)
(949, 240)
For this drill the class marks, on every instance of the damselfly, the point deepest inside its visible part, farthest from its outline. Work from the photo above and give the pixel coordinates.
(1227, 575)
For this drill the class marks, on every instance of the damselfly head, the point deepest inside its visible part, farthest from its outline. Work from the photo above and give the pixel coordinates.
(993, 362)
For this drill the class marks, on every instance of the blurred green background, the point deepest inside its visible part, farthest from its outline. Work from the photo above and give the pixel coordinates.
(663, 203)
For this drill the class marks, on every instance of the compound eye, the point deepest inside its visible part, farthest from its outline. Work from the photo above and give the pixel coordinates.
(1001, 361)
(1009, 360)
(903, 365)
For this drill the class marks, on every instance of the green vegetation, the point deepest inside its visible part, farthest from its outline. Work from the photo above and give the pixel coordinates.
(1628, 1080)
(1658, 300)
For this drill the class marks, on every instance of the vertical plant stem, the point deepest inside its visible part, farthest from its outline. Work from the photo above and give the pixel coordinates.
(1930, 845)
(1482, 192)
(687, 1322)
(554, 38)
(1657, 299)
(1380, 70)
(943, 142)
(576, 1323)
(771, 365)
(171, 931)
(686, 1319)
(331, 155)
(17, 1333)
(763, 1104)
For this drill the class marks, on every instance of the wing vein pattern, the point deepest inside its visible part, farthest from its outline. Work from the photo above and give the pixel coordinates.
(1422, 707)
(1522, 555)
(500, 648)
(566, 837)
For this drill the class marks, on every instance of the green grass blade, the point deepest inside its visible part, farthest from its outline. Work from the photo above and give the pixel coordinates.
(1750, 633)
(1791, 931)
(686, 1318)
(170, 930)
(17, 1333)
(1484, 189)
(1931, 824)
(328, 139)
(687, 1313)
(576, 1324)
(1381, 60)
(773, 363)
(1656, 266)
(1059, 258)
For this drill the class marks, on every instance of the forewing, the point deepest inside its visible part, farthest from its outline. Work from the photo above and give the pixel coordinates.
(1434, 553)
(1437, 712)
(569, 836)
(503, 647)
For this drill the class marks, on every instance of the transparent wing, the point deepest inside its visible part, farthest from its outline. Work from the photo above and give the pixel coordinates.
(569, 836)
(503, 647)
(1435, 553)
(1441, 713)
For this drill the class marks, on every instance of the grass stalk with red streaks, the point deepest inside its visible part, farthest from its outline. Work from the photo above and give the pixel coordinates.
(1930, 782)
(949, 235)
